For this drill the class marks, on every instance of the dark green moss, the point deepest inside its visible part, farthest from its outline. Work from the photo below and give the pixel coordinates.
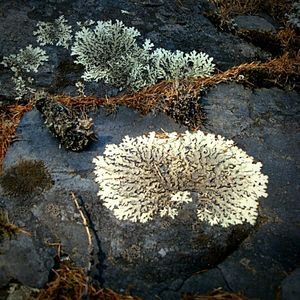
(26, 179)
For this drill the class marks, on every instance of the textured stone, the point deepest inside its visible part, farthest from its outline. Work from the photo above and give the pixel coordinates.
(263, 122)
(169, 25)
(147, 257)
(204, 282)
(21, 260)
(151, 255)
(254, 23)
(290, 287)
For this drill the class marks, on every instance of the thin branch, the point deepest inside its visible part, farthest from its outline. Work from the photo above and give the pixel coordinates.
(89, 237)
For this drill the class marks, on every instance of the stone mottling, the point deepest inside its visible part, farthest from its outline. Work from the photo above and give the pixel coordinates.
(22, 260)
(290, 287)
(263, 122)
(160, 258)
(151, 255)
(170, 25)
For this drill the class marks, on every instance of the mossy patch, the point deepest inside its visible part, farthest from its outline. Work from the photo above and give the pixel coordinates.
(26, 179)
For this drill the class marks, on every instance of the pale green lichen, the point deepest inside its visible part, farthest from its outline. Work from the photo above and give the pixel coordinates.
(147, 176)
(22, 64)
(57, 33)
(178, 65)
(111, 52)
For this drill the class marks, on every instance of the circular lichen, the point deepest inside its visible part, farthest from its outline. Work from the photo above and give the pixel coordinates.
(153, 175)
(27, 178)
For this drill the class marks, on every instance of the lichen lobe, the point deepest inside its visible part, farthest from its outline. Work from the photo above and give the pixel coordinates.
(149, 175)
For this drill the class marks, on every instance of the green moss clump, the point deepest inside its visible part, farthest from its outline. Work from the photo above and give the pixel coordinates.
(26, 179)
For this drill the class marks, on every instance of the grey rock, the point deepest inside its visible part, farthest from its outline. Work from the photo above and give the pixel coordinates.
(262, 261)
(154, 256)
(21, 260)
(170, 295)
(173, 26)
(227, 108)
(254, 23)
(290, 286)
(263, 122)
(153, 3)
(271, 135)
(160, 258)
(204, 282)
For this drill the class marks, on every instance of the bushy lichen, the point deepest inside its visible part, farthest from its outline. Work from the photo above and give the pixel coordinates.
(57, 33)
(148, 175)
(27, 61)
(177, 65)
(26, 179)
(111, 52)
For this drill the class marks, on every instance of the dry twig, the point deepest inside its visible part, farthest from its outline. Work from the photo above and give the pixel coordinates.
(89, 237)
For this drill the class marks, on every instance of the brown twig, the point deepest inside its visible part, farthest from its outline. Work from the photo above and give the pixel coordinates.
(89, 237)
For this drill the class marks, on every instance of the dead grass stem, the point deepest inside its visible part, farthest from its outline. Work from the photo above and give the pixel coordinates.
(70, 284)
(10, 117)
(278, 72)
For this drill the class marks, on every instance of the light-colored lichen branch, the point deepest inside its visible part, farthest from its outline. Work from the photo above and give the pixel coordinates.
(147, 176)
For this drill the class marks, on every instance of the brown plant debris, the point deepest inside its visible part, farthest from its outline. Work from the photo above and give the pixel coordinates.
(8, 230)
(180, 100)
(282, 72)
(70, 284)
(90, 249)
(10, 117)
(224, 10)
(289, 40)
(285, 40)
(217, 294)
(164, 95)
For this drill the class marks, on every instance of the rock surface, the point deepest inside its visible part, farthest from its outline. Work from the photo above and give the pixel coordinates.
(164, 257)
(290, 288)
(160, 257)
(179, 25)
(254, 23)
(152, 255)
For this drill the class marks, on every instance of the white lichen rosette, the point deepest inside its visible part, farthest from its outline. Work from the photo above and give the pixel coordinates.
(151, 175)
